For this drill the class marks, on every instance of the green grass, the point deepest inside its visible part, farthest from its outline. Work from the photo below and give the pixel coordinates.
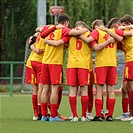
(16, 117)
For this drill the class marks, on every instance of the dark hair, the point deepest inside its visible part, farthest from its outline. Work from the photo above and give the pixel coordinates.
(97, 22)
(127, 19)
(62, 18)
(112, 21)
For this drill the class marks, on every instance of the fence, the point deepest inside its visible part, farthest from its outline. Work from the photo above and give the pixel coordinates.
(11, 77)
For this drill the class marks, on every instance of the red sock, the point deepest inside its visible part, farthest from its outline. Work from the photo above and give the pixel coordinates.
(34, 104)
(73, 103)
(91, 97)
(39, 109)
(44, 109)
(131, 102)
(59, 96)
(125, 102)
(84, 102)
(98, 106)
(54, 108)
(111, 105)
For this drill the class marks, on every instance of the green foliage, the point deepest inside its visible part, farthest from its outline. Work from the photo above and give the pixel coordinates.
(19, 22)
(19, 19)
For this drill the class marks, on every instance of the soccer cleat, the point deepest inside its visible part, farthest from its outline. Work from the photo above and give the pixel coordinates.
(55, 119)
(39, 117)
(129, 118)
(109, 118)
(44, 118)
(124, 115)
(97, 118)
(83, 119)
(131, 121)
(89, 116)
(75, 119)
(70, 117)
(62, 117)
(35, 118)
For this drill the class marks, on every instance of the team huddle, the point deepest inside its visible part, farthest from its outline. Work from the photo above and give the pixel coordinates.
(44, 68)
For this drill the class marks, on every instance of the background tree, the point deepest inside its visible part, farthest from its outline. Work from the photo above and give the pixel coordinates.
(18, 23)
(19, 20)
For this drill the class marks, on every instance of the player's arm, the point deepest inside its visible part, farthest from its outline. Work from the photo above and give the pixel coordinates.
(114, 35)
(54, 42)
(86, 39)
(100, 46)
(45, 31)
(38, 51)
(63, 40)
(127, 26)
(129, 33)
(75, 32)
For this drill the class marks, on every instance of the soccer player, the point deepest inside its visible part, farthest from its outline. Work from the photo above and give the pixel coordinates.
(31, 78)
(113, 25)
(127, 42)
(36, 63)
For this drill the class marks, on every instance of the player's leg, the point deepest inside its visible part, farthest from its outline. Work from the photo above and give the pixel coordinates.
(84, 101)
(100, 79)
(55, 73)
(125, 100)
(34, 102)
(83, 76)
(91, 96)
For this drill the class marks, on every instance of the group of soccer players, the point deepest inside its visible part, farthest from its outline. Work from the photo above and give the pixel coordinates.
(44, 68)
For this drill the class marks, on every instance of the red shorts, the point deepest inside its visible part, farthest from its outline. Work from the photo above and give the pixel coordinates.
(105, 75)
(77, 76)
(51, 74)
(37, 69)
(128, 73)
(91, 78)
(30, 76)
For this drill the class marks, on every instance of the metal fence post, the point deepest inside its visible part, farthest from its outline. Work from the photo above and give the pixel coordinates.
(11, 78)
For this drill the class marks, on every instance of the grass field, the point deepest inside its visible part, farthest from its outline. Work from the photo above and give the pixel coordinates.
(16, 117)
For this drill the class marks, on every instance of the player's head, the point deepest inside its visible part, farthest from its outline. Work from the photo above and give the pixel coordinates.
(113, 23)
(126, 20)
(97, 23)
(80, 24)
(63, 19)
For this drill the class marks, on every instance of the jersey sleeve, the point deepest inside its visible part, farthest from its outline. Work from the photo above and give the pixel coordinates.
(65, 39)
(94, 34)
(92, 43)
(65, 31)
(46, 31)
(119, 32)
